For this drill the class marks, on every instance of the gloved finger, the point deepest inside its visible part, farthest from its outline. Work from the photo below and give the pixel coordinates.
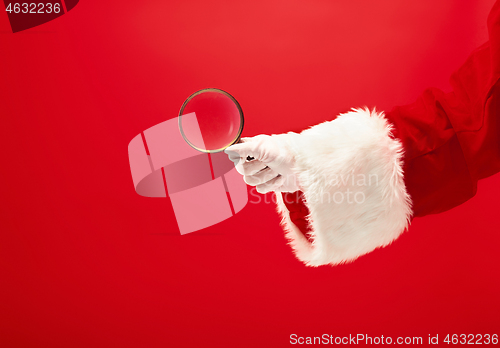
(233, 156)
(244, 166)
(249, 168)
(261, 177)
(243, 150)
(271, 185)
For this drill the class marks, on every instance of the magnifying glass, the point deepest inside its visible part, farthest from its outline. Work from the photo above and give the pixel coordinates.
(210, 120)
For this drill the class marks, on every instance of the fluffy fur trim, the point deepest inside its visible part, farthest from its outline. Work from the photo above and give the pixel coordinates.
(350, 171)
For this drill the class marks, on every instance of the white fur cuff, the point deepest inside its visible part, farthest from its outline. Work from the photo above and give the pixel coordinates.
(350, 171)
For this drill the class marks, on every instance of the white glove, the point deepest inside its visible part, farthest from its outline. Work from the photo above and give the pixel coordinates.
(273, 163)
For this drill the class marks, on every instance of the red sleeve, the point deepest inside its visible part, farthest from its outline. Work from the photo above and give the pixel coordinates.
(451, 140)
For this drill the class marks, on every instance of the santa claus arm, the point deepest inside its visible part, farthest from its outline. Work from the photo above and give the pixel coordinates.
(366, 174)
(426, 157)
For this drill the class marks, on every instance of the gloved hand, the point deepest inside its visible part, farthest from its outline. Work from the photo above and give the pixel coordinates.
(272, 168)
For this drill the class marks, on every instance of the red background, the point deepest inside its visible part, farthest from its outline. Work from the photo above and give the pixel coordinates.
(85, 261)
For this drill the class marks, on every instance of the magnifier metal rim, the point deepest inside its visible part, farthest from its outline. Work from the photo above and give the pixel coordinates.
(217, 90)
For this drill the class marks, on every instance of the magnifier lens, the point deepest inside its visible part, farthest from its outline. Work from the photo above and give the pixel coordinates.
(214, 115)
